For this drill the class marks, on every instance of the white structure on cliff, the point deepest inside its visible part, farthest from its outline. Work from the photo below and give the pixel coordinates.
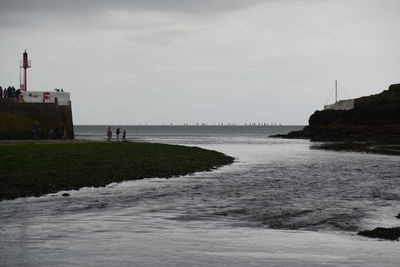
(342, 104)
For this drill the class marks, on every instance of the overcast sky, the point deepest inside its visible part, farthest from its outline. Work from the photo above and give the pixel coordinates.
(162, 61)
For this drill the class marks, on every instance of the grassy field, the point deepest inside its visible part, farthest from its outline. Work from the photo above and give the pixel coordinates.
(37, 169)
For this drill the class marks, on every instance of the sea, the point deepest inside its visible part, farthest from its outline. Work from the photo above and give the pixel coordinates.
(281, 203)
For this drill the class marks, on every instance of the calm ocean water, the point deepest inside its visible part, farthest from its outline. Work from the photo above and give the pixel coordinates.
(281, 203)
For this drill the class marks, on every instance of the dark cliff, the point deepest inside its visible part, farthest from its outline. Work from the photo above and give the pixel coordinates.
(373, 118)
(17, 119)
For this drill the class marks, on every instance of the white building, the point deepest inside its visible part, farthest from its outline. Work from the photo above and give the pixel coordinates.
(63, 98)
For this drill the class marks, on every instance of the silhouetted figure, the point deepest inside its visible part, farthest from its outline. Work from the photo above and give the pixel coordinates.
(13, 92)
(117, 132)
(1, 92)
(36, 130)
(124, 135)
(8, 92)
(17, 94)
(109, 134)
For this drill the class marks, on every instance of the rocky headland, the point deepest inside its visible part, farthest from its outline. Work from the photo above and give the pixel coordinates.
(372, 125)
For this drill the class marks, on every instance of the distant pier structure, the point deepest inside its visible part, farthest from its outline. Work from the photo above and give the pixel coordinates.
(51, 109)
(57, 95)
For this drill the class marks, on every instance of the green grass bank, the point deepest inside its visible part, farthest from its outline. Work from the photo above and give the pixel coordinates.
(37, 169)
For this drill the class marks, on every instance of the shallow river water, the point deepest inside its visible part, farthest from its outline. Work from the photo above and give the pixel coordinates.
(281, 203)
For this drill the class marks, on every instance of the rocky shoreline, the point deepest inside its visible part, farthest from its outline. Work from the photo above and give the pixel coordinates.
(392, 233)
(373, 125)
(375, 148)
(382, 233)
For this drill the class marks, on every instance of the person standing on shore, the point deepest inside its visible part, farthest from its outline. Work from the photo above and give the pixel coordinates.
(17, 94)
(109, 133)
(124, 135)
(117, 133)
(36, 130)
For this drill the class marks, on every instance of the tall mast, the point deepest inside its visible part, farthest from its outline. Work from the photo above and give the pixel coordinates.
(335, 91)
(25, 64)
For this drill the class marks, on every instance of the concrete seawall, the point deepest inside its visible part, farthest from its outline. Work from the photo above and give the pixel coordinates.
(17, 119)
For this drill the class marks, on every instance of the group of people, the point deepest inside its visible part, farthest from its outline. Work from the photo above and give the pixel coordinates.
(10, 92)
(53, 133)
(57, 134)
(117, 133)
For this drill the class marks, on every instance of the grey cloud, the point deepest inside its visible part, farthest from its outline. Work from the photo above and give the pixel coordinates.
(28, 13)
(84, 6)
(210, 60)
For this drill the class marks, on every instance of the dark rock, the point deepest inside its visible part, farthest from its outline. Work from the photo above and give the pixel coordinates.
(65, 195)
(384, 233)
(325, 117)
(303, 134)
(398, 216)
(278, 135)
(374, 119)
